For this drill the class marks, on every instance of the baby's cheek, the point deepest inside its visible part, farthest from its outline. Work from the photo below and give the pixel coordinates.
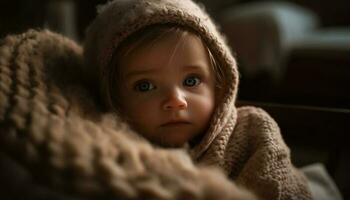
(141, 110)
(208, 107)
(202, 110)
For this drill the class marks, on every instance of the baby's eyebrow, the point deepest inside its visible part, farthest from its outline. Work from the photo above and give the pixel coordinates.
(140, 72)
(155, 70)
(195, 67)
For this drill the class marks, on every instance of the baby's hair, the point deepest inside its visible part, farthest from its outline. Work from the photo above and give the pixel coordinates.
(141, 38)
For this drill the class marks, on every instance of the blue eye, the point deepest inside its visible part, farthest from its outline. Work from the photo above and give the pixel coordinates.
(144, 86)
(192, 81)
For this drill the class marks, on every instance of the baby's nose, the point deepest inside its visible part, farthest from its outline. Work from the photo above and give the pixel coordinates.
(175, 101)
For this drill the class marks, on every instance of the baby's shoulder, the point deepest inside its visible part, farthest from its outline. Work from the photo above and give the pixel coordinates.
(257, 123)
(253, 114)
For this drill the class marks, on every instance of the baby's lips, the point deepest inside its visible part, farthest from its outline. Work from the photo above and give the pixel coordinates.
(175, 122)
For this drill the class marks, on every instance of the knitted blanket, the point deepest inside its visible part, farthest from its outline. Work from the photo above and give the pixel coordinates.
(56, 144)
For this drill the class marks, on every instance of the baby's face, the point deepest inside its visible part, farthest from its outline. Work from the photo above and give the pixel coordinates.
(167, 90)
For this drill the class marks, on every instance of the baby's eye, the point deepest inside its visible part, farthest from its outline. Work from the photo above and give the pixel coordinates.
(192, 81)
(144, 86)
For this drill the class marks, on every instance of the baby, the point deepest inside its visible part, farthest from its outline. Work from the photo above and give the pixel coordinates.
(164, 68)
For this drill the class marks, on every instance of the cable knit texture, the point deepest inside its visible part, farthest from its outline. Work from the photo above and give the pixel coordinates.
(246, 143)
(55, 144)
(53, 136)
(120, 18)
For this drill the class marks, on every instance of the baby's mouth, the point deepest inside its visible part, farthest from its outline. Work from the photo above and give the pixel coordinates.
(175, 123)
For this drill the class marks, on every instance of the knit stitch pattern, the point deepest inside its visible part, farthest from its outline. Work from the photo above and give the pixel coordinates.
(51, 128)
(245, 143)
(252, 152)
(120, 18)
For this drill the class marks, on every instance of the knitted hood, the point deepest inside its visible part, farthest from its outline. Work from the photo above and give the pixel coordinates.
(120, 18)
(55, 144)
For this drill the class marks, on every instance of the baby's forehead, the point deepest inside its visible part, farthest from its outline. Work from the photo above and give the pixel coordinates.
(187, 50)
(149, 35)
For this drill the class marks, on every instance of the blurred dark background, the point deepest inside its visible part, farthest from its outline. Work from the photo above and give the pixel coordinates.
(293, 60)
(273, 41)
(19, 15)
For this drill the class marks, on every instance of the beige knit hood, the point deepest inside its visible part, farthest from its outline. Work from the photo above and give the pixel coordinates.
(245, 143)
(120, 18)
(56, 144)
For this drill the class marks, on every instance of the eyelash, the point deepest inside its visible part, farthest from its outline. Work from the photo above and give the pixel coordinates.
(140, 86)
(197, 78)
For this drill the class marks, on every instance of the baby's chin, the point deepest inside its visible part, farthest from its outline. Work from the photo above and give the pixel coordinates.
(169, 144)
(171, 141)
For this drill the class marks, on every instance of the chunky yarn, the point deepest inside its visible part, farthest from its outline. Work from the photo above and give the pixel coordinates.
(53, 137)
(245, 143)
